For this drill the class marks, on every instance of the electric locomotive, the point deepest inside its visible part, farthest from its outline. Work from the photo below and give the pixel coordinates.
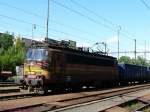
(55, 66)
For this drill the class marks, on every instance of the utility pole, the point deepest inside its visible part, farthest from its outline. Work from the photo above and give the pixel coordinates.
(135, 49)
(145, 50)
(118, 31)
(33, 27)
(105, 47)
(47, 22)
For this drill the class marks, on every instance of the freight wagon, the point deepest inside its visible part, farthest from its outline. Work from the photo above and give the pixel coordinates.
(56, 66)
(133, 73)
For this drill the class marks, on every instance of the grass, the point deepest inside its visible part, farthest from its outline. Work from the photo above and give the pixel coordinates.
(132, 105)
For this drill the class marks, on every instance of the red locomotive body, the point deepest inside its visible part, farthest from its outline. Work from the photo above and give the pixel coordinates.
(83, 68)
(56, 67)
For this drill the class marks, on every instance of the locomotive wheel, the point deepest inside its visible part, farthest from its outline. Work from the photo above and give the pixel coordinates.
(40, 90)
(45, 90)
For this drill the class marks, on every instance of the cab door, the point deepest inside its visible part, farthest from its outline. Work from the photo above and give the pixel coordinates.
(58, 60)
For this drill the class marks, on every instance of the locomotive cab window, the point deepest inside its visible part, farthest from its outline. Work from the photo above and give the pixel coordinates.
(37, 54)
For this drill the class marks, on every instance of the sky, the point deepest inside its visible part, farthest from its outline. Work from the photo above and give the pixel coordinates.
(84, 21)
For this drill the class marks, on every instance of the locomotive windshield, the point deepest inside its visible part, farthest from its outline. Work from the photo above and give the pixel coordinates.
(37, 54)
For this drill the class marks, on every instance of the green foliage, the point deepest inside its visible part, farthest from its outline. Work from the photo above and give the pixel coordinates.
(6, 40)
(125, 59)
(11, 55)
(138, 61)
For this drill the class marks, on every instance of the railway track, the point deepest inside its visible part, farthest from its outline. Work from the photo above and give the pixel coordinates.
(21, 95)
(17, 95)
(7, 84)
(47, 103)
(8, 87)
(99, 104)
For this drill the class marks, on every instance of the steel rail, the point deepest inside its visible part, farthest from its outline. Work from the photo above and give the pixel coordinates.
(95, 105)
(54, 106)
(17, 96)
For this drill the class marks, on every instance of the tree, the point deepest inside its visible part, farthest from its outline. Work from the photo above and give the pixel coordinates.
(20, 50)
(141, 61)
(138, 61)
(6, 40)
(125, 60)
(11, 54)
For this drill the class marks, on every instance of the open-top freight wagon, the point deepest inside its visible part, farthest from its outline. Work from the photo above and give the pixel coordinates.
(133, 73)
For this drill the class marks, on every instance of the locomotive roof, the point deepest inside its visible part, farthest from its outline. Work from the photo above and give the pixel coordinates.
(58, 47)
(80, 52)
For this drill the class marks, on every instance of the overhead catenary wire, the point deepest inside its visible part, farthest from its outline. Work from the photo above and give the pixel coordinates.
(61, 24)
(15, 34)
(22, 35)
(29, 23)
(74, 28)
(20, 9)
(36, 15)
(41, 17)
(145, 4)
(94, 13)
(71, 27)
(75, 2)
(125, 33)
(83, 15)
(10, 24)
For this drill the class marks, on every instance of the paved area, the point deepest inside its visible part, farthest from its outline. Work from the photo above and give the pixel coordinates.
(13, 94)
(12, 87)
(9, 89)
(116, 109)
(104, 104)
(145, 98)
(7, 85)
(4, 105)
